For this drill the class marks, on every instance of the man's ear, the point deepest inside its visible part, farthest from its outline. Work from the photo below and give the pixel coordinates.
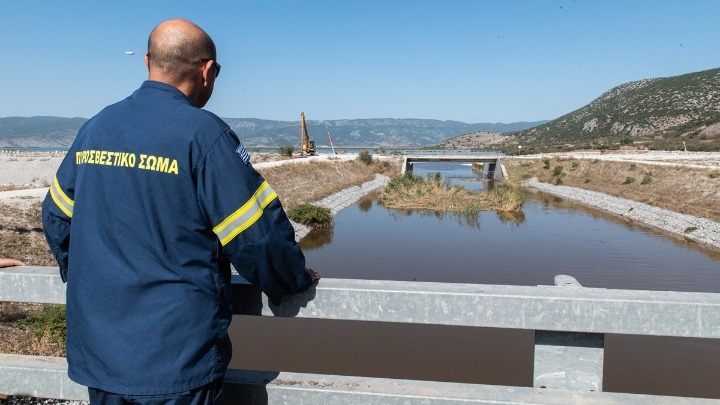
(207, 71)
(147, 62)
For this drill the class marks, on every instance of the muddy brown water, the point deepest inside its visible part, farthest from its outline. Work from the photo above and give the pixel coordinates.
(551, 237)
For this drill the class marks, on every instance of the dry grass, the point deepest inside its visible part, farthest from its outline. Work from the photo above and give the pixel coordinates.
(303, 183)
(18, 339)
(686, 190)
(21, 235)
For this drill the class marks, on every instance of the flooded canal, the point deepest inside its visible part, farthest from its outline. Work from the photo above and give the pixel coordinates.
(551, 236)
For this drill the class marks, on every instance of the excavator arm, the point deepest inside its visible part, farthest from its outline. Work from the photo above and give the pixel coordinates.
(307, 147)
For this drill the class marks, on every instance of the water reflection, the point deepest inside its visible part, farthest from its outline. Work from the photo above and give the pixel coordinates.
(552, 203)
(469, 220)
(366, 202)
(513, 218)
(317, 238)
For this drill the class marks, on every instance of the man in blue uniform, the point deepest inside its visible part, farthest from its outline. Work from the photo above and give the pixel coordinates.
(155, 199)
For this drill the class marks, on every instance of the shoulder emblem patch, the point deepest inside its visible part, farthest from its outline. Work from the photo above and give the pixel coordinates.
(244, 156)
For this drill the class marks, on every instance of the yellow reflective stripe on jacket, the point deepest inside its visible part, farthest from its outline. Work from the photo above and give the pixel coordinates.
(244, 217)
(61, 199)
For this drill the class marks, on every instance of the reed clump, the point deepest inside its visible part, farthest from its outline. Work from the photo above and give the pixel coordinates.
(311, 215)
(408, 192)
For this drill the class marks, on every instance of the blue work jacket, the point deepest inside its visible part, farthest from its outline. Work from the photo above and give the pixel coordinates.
(152, 201)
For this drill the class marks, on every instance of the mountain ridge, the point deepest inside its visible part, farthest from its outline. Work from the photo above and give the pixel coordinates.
(48, 131)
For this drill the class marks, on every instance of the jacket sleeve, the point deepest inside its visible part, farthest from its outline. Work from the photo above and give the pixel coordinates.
(57, 210)
(249, 221)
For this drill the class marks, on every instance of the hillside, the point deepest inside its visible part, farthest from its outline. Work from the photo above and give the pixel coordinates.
(661, 110)
(361, 132)
(32, 132)
(60, 132)
(476, 140)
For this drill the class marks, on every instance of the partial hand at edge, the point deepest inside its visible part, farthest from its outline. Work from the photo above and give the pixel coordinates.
(12, 262)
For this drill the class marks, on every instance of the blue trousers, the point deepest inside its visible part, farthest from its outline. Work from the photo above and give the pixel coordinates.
(209, 394)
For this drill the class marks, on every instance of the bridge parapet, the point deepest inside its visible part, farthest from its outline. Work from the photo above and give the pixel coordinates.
(561, 317)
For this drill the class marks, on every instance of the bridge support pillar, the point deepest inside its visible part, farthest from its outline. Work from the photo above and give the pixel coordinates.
(406, 166)
(569, 361)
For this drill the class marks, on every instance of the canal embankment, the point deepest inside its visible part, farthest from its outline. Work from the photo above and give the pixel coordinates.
(675, 192)
(697, 229)
(343, 199)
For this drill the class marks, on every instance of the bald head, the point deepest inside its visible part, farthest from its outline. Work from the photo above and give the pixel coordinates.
(176, 46)
(181, 54)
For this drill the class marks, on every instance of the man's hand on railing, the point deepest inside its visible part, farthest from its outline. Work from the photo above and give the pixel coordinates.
(12, 262)
(314, 274)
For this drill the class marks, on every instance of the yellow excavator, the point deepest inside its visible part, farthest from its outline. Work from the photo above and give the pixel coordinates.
(307, 147)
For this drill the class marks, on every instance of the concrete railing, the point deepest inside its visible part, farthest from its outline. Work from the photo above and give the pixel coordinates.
(569, 323)
(417, 152)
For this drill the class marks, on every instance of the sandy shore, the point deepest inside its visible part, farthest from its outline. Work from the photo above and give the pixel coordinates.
(29, 169)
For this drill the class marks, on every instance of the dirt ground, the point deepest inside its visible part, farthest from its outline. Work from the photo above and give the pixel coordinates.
(21, 234)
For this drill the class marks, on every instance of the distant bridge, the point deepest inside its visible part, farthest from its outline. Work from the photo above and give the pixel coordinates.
(490, 162)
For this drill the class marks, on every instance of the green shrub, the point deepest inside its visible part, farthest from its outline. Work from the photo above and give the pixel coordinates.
(311, 215)
(647, 179)
(50, 320)
(365, 157)
(558, 170)
(690, 229)
(628, 180)
(287, 150)
(404, 182)
(575, 164)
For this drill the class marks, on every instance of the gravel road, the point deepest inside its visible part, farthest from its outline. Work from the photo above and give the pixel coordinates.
(696, 160)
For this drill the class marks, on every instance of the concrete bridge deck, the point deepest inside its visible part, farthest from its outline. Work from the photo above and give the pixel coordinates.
(569, 323)
(490, 169)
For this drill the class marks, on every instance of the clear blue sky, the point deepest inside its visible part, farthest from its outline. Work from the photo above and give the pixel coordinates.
(471, 61)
